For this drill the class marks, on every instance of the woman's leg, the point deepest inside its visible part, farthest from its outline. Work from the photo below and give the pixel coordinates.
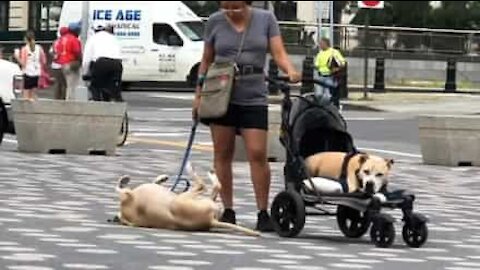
(26, 94)
(34, 95)
(256, 148)
(224, 146)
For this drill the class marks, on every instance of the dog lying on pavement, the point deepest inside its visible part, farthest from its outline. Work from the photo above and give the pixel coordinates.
(155, 206)
(362, 169)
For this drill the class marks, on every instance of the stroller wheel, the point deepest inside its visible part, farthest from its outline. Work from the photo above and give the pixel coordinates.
(415, 236)
(288, 213)
(352, 223)
(382, 232)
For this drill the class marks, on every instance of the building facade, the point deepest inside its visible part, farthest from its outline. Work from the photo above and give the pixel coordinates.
(40, 16)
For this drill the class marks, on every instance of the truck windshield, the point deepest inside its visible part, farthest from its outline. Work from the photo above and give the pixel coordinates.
(193, 30)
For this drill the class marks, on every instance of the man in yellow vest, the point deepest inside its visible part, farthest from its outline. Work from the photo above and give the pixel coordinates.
(329, 63)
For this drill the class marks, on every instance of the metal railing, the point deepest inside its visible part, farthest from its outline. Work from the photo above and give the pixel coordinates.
(350, 38)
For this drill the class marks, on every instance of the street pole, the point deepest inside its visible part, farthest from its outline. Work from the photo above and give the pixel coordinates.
(365, 43)
(319, 20)
(82, 92)
(85, 21)
(332, 38)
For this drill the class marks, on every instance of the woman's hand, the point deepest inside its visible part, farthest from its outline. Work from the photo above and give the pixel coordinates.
(196, 104)
(294, 76)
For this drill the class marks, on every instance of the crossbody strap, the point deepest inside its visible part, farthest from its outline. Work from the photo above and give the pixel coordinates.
(244, 35)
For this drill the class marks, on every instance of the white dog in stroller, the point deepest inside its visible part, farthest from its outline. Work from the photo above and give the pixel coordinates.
(360, 170)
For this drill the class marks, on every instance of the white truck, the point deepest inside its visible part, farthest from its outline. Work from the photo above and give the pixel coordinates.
(160, 41)
(9, 72)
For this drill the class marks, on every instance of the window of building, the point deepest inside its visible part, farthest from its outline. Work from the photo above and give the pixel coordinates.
(44, 15)
(4, 6)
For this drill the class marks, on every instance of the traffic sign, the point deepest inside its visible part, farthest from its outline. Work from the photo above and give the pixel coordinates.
(371, 4)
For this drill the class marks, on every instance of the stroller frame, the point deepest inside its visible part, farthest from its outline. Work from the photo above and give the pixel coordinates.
(355, 211)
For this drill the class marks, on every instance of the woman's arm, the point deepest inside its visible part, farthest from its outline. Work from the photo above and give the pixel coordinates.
(280, 57)
(207, 59)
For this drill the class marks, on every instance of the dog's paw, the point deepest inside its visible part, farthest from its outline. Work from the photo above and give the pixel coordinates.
(123, 181)
(380, 197)
(213, 178)
(160, 179)
(189, 169)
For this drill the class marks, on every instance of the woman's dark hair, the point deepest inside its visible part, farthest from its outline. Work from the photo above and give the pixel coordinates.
(249, 3)
(30, 37)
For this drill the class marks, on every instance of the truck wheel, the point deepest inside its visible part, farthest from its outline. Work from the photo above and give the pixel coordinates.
(192, 77)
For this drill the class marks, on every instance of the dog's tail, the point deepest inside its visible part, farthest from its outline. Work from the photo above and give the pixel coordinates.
(225, 225)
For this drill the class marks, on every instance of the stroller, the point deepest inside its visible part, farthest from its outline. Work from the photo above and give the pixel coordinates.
(308, 128)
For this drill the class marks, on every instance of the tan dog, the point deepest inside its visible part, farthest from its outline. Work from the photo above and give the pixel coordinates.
(155, 206)
(361, 169)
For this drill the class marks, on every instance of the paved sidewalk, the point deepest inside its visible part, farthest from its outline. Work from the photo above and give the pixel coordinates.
(54, 210)
(412, 103)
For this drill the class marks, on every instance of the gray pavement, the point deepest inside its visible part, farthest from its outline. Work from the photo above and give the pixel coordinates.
(53, 209)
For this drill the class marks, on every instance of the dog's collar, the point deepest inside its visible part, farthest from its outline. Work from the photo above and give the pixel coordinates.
(344, 173)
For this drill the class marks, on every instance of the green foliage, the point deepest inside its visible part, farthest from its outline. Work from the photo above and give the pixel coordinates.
(420, 14)
(205, 10)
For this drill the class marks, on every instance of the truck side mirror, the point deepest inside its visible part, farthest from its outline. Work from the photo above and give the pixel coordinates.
(175, 41)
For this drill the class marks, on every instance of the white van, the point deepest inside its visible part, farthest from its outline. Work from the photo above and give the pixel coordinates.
(161, 41)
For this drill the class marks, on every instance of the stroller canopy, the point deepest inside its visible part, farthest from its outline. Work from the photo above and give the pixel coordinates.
(318, 128)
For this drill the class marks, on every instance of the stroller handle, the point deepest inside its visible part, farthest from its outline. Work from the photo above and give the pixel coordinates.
(282, 82)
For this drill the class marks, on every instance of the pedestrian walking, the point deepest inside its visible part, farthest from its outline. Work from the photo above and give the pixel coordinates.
(102, 62)
(57, 52)
(329, 64)
(70, 57)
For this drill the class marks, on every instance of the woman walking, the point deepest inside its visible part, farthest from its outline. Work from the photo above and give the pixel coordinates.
(248, 109)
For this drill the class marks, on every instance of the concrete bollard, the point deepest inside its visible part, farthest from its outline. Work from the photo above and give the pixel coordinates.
(307, 75)
(379, 85)
(272, 73)
(451, 84)
(275, 150)
(450, 140)
(67, 127)
(343, 83)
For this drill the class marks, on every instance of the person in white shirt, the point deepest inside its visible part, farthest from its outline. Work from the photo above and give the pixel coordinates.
(103, 64)
(32, 60)
(8, 71)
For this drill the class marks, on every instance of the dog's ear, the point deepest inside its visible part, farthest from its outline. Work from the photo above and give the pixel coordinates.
(363, 158)
(389, 162)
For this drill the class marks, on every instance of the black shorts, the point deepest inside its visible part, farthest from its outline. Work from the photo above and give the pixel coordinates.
(30, 82)
(242, 117)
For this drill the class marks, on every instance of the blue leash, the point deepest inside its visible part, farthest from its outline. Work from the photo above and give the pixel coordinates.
(186, 157)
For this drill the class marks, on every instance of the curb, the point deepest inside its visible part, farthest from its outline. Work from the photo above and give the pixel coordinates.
(346, 106)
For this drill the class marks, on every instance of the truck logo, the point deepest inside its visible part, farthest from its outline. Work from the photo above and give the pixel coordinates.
(126, 23)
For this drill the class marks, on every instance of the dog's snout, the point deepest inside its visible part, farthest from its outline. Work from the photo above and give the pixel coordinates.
(370, 187)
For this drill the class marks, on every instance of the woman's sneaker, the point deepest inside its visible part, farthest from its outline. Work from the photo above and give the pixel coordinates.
(228, 216)
(264, 223)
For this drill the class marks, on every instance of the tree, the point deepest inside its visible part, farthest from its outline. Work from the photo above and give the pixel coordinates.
(202, 8)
